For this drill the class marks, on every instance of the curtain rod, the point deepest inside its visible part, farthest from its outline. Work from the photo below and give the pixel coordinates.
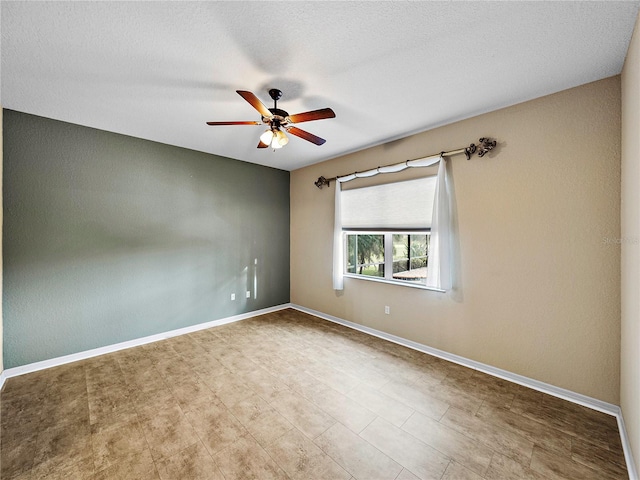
(486, 145)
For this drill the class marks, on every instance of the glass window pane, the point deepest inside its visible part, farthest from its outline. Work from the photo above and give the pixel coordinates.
(420, 262)
(418, 251)
(370, 255)
(365, 255)
(418, 245)
(351, 253)
(400, 246)
(400, 255)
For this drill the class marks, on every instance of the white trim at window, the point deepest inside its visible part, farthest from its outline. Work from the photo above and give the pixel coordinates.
(383, 262)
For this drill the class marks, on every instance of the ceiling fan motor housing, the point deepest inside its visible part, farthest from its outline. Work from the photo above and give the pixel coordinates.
(275, 94)
(279, 116)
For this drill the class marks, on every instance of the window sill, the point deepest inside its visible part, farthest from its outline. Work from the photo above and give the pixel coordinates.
(392, 282)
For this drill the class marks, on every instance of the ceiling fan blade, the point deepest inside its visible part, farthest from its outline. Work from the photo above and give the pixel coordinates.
(312, 115)
(310, 137)
(255, 102)
(261, 144)
(234, 123)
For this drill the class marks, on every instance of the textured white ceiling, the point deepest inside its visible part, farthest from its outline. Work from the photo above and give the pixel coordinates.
(160, 70)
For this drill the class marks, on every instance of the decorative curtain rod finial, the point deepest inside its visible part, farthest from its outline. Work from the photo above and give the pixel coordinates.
(486, 145)
(321, 182)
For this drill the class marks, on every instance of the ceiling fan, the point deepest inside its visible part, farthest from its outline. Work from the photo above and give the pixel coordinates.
(278, 120)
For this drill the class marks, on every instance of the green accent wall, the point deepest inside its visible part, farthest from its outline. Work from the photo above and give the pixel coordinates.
(108, 238)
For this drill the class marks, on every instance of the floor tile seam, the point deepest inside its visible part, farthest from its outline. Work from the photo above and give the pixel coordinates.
(264, 449)
(420, 442)
(348, 398)
(93, 467)
(313, 439)
(274, 440)
(113, 426)
(172, 389)
(364, 440)
(417, 476)
(423, 411)
(564, 415)
(572, 434)
(511, 429)
(375, 414)
(574, 460)
(491, 450)
(391, 399)
(161, 456)
(167, 459)
(323, 412)
(94, 452)
(467, 468)
(385, 454)
(487, 445)
(205, 444)
(578, 460)
(365, 427)
(15, 474)
(245, 428)
(344, 467)
(571, 459)
(147, 442)
(486, 470)
(356, 376)
(55, 462)
(515, 431)
(574, 438)
(332, 417)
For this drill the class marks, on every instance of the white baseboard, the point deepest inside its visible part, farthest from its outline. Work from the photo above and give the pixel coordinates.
(626, 446)
(74, 357)
(568, 395)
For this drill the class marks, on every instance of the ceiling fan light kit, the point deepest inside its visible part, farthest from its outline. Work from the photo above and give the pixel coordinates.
(278, 120)
(274, 137)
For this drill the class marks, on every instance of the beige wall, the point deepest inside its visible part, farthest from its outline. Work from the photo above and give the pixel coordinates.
(630, 220)
(540, 287)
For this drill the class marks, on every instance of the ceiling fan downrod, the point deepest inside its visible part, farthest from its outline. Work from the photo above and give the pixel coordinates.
(275, 94)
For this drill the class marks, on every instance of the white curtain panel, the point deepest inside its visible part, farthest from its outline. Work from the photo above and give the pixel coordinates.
(338, 246)
(425, 161)
(440, 246)
(398, 167)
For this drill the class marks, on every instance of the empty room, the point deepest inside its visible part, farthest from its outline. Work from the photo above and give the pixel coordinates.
(302, 240)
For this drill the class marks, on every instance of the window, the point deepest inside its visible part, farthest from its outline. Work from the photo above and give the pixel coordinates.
(400, 257)
(386, 231)
(365, 254)
(410, 256)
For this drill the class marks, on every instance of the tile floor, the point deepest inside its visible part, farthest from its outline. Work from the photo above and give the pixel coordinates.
(287, 395)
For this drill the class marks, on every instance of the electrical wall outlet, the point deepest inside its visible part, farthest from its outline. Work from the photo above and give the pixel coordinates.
(387, 310)
(248, 294)
(233, 296)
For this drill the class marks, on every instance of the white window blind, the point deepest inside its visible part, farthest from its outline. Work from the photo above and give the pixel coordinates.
(399, 205)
